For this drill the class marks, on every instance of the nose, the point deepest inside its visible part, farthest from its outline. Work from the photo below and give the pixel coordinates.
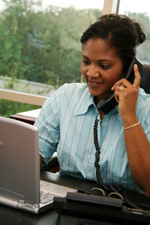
(93, 72)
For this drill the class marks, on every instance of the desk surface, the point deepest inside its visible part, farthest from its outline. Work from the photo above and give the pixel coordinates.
(17, 217)
(10, 216)
(28, 116)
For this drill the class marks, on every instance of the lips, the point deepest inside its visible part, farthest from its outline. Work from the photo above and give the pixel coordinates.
(94, 83)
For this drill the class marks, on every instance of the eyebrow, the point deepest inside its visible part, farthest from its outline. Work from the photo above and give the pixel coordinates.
(101, 60)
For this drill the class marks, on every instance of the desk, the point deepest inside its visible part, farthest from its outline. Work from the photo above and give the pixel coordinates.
(9, 216)
(28, 116)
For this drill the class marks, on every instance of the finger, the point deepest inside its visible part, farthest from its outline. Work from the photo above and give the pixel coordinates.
(123, 82)
(119, 87)
(137, 79)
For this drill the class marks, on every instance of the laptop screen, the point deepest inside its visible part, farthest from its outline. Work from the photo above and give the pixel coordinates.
(19, 160)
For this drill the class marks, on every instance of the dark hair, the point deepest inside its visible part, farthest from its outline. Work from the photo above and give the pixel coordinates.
(120, 31)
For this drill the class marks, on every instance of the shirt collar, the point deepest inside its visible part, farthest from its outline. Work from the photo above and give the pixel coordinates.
(85, 101)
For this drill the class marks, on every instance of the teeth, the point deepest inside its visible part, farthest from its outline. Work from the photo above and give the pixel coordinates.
(94, 82)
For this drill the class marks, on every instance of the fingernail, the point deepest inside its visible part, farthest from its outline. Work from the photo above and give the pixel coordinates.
(136, 66)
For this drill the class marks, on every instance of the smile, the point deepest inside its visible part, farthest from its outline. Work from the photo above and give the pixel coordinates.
(94, 83)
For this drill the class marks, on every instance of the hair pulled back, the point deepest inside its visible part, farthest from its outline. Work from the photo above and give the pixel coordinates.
(121, 33)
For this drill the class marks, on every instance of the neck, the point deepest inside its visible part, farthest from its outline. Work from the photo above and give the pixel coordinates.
(101, 115)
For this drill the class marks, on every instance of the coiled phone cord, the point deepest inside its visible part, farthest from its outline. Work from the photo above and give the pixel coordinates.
(112, 188)
(97, 156)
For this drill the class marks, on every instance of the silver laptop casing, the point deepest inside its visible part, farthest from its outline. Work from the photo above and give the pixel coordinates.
(20, 183)
(19, 165)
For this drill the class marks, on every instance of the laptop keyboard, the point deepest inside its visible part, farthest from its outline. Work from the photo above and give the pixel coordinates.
(46, 196)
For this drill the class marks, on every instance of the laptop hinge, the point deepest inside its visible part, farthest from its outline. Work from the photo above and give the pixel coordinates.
(34, 208)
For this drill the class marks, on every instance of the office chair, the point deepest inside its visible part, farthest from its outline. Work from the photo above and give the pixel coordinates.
(52, 166)
(145, 78)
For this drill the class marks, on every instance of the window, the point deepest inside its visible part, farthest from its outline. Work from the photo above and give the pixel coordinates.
(40, 42)
(40, 45)
(140, 12)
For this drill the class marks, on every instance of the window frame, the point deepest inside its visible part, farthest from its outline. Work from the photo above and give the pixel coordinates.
(110, 6)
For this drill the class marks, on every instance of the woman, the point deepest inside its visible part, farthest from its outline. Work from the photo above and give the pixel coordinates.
(67, 118)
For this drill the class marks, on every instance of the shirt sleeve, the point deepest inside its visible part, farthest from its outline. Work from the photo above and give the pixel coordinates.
(48, 125)
(143, 112)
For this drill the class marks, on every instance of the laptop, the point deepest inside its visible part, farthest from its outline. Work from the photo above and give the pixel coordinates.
(20, 185)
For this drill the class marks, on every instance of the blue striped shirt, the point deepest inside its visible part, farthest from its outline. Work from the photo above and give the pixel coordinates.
(66, 123)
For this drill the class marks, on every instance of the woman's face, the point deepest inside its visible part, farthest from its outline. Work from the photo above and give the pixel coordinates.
(100, 66)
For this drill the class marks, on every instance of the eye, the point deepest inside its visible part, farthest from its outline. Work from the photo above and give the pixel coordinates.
(104, 66)
(86, 62)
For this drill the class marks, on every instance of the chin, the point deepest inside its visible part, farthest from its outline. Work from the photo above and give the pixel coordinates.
(99, 92)
(95, 93)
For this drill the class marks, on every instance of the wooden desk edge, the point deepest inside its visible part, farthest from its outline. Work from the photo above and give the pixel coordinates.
(25, 119)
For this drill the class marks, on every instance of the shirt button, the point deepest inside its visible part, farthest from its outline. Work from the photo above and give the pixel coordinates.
(90, 170)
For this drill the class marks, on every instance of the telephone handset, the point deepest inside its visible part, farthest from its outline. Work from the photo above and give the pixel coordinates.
(106, 105)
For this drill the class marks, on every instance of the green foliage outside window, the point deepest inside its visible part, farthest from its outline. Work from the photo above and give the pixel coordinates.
(8, 108)
(143, 49)
(44, 46)
(40, 46)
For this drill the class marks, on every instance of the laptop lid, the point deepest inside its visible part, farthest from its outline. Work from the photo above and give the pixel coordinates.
(19, 162)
